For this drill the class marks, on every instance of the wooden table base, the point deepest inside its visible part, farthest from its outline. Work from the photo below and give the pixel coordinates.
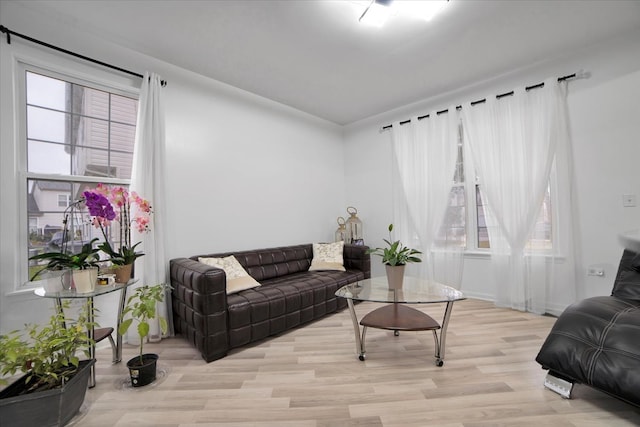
(398, 317)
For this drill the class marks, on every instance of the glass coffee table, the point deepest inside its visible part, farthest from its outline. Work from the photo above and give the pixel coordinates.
(396, 315)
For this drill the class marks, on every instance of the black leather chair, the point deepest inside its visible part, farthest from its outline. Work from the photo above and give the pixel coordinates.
(596, 341)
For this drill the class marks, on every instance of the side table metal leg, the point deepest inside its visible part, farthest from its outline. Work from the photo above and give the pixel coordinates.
(356, 330)
(60, 311)
(117, 354)
(91, 335)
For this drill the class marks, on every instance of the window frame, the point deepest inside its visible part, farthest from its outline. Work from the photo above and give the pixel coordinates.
(23, 176)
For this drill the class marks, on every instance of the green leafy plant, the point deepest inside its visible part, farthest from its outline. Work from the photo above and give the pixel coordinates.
(49, 357)
(141, 306)
(86, 258)
(396, 253)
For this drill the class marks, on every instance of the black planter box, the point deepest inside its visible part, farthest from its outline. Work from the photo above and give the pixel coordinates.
(46, 408)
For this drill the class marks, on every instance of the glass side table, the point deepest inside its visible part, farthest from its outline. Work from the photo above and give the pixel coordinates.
(95, 334)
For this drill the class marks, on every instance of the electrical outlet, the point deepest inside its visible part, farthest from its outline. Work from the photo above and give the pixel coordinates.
(594, 271)
(629, 200)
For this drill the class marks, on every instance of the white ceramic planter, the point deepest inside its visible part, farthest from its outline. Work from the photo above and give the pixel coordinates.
(85, 280)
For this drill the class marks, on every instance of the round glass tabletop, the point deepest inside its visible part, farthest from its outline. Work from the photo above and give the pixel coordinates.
(413, 291)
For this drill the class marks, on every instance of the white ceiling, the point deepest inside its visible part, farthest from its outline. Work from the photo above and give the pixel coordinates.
(316, 57)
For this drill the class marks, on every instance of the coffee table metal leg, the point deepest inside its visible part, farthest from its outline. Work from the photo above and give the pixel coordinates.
(356, 329)
(443, 335)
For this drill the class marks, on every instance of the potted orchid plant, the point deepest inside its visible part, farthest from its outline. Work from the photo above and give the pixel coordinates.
(109, 204)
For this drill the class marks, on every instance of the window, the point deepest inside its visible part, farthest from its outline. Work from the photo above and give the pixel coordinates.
(76, 135)
(454, 228)
(64, 200)
(465, 223)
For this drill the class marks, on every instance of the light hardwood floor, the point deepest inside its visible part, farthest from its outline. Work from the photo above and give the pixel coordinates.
(311, 377)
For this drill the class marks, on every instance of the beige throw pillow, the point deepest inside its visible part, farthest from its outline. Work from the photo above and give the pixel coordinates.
(237, 278)
(327, 256)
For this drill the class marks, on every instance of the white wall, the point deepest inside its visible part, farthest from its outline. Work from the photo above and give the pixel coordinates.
(243, 172)
(605, 125)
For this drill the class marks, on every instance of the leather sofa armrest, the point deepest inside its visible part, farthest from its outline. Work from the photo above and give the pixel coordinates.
(357, 258)
(200, 305)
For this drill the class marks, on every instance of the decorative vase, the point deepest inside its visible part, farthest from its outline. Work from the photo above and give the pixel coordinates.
(395, 276)
(54, 280)
(55, 407)
(123, 273)
(143, 373)
(85, 280)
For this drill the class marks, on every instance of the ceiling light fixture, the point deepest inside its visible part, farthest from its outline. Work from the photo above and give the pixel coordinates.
(376, 13)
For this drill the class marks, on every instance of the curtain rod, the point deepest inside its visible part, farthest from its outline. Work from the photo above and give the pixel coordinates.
(579, 75)
(9, 33)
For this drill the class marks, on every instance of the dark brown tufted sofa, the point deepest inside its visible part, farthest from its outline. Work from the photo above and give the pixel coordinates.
(596, 341)
(290, 295)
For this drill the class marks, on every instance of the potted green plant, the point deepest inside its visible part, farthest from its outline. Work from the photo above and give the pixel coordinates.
(141, 307)
(83, 265)
(55, 380)
(395, 257)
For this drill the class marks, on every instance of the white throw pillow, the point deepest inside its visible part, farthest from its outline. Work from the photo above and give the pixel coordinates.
(237, 277)
(327, 256)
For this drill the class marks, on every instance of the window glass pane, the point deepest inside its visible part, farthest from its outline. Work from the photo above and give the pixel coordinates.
(483, 234)
(458, 177)
(124, 110)
(121, 164)
(454, 227)
(46, 91)
(89, 102)
(122, 137)
(48, 206)
(44, 157)
(47, 125)
(92, 132)
(541, 237)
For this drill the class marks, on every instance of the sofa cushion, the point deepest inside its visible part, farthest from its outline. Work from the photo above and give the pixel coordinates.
(285, 302)
(237, 278)
(327, 256)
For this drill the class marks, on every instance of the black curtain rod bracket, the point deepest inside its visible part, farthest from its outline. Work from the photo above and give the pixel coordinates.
(9, 32)
(579, 75)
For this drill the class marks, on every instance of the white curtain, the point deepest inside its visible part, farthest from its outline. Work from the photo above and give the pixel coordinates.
(425, 153)
(148, 181)
(514, 141)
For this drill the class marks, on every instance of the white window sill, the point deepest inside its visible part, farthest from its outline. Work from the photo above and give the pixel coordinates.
(476, 254)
